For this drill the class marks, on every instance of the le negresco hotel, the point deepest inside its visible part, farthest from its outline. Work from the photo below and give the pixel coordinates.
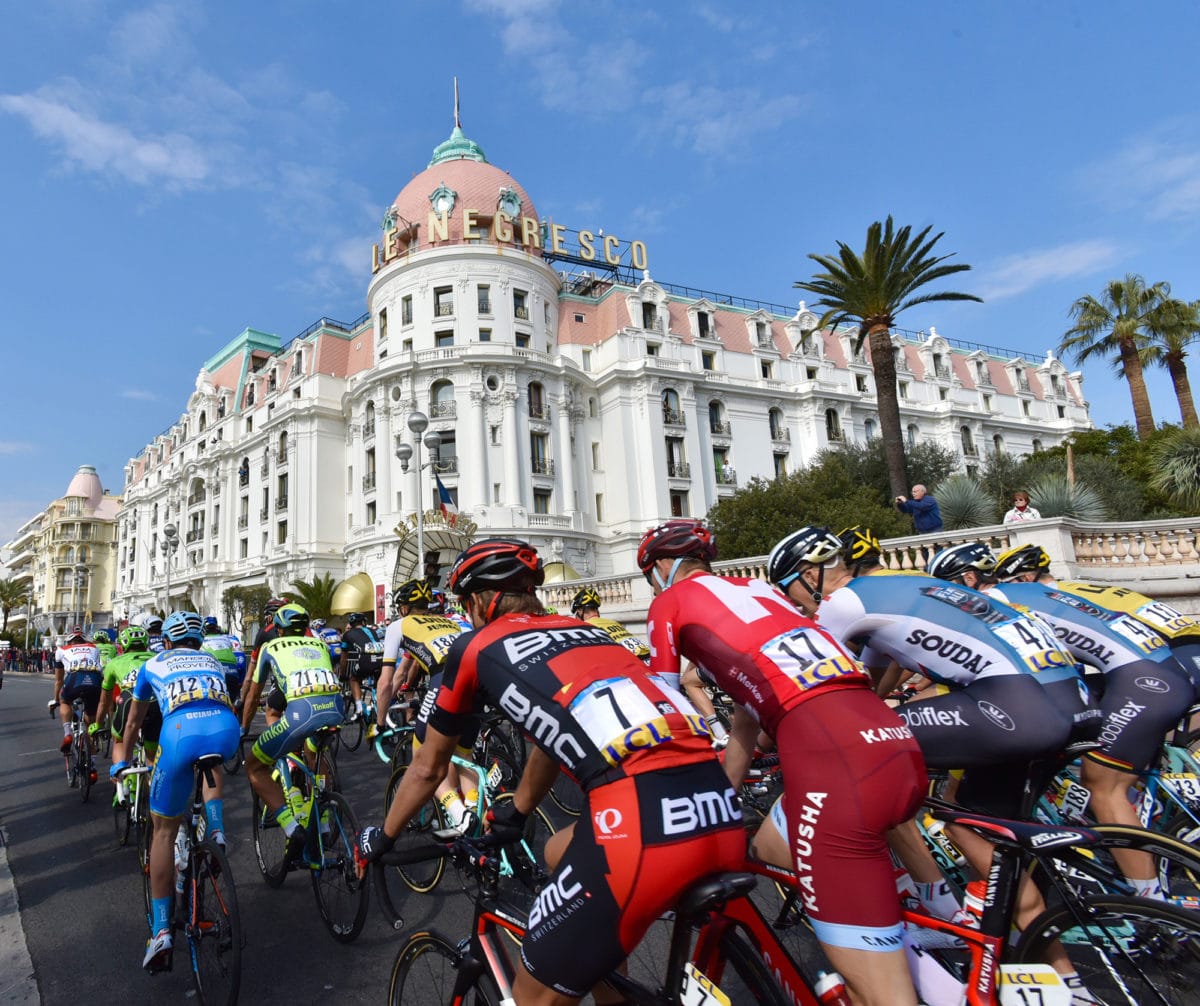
(577, 401)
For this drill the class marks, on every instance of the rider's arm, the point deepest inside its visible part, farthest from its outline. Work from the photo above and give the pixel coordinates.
(408, 671)
(425, 773)
(742, 734)
(889, 680)
(540, 772)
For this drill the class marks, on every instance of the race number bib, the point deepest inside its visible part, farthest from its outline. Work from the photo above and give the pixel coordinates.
(1164, 617)
(619, 719)
(1144, 638)
(188, 688)
(1034, 643)
(808, 658)
(311, 681)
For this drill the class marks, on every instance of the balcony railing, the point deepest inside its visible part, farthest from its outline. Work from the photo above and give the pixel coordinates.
(542, 466)
(263, 513)
(281, 457)
(485, 306)
(985, 379)
(446, 466)
(443, 410)
(195, 534)
(970, 451)
(244, 477)
(281, 503)
(521, 313)
(1022, 382)
(265, 467)
(719, 427)
(726, 476)
(368, 482)
(196, 497)
(679, 470)
(835, 436)
(369, 431)
(243, 522)
(673, 418)
(781, 436)
(941, 371)
(539, 410)
(444, 309)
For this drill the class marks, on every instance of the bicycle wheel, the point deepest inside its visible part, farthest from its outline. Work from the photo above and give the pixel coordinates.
(503, 738)
(270, 843)
(351, 733)
(145, 833)
(123, 820)
(566, 793)
(420, 877)
(741, 973)
(234, 761)
(426, 971)
(523, 870)
(213, 927)
(83, 765)
(401, 748)
(342, 897)
(1127, 950)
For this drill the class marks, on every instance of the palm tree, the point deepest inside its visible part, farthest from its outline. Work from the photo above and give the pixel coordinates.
(872, 289)
(1117, 326)
(315, 595)
(12, 595)
(1173, 328)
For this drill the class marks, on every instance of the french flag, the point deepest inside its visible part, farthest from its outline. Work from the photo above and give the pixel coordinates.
(445, 501)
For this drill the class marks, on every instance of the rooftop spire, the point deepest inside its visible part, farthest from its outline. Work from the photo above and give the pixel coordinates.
(458, 147)
(457, 118)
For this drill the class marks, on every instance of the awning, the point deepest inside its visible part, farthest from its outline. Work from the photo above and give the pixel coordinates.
(447, 540)
(558, 572)
(356, 593)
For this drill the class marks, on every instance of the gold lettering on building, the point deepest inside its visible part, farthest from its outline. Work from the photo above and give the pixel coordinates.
(502, 227)
(558, 234)
(611, 241)
(587, 250)
(439, 226)
(637, 254)
(469, 221)
(531, 233)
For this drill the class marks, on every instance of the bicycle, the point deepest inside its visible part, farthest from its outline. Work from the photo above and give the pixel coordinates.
(430, 968)
(331, 829)
(131, 811)
(206, 908)
(81, 768)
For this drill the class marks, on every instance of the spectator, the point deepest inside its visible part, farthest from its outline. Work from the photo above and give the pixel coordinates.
(1021, 510)
(924, 509)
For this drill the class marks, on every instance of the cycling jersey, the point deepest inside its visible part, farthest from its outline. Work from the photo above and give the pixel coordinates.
(622, 635)
(189, 687)
(424, 637)
(227, 648)
(121, 671)
(333, 640)
(586, 701)
(82, 675)
(298, 666)
(364, 651)
(107, 652)
(157, 645)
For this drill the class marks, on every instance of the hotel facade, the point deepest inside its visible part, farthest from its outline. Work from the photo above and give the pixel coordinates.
(578, 401)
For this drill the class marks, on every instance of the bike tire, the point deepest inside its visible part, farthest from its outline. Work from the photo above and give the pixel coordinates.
(234, 761)
(426, 972)
(519, 888)
(145, 836)
(83, 766)
(567, 795)
(351, 734)
(270, 844)
(212, 927)
(342, 896)
(326, 765)
(420, 877)
(742, 974)
(123, 822)
(1127, 950)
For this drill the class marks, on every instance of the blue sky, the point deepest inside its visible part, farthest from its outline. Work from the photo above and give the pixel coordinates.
(176, 172)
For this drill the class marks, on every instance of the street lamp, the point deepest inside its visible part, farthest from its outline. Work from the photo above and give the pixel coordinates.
(80, 573)
(168, 546)
(418, 423)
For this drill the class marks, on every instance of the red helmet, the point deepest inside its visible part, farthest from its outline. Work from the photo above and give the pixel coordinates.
(676, 539)
(506, 564)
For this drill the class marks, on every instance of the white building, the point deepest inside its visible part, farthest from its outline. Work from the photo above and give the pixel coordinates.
(578, 402)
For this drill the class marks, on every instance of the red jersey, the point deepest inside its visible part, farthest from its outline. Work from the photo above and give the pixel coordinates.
(586, 701)
(751, 641)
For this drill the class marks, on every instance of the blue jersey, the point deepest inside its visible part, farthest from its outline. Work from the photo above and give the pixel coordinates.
(227, 648)
(156, 642)
(949, 633)
(179, 678)
(1100, 637)
(333, 639)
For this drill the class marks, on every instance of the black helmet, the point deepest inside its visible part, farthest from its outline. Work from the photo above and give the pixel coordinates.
(415, 593)
(291, 619)
(859, 545)
(1022, 559)
(676, 539)
(356, 618)
(809, 546)
(585, 598)
(950, 563)
(505, 564)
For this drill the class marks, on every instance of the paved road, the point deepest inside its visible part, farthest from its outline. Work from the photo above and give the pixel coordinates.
(81, 897)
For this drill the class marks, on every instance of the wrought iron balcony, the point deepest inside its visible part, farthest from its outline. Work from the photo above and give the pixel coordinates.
(445, 310)
(780, 435)
(521, 313)
(281, 457)
(368, 482)
(196, 497)
(446, 466)
(941, 371)
(673, 418)
(542, 466)
(726, 476)
(265, 467)
(679, 470)
(195, 534)
(281, 503)
(369, 431)
(539, 410)
(263, 513)
(244, 477)
(719, 426)
(443, 410)
(243, 522)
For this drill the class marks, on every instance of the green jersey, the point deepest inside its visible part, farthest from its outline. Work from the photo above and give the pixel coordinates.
(107, 652)
(122, 670)
(298, 666)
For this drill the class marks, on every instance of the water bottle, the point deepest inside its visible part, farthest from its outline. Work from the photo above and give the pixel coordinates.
(830, 989)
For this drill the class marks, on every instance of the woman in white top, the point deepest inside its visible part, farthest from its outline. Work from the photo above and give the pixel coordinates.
(1021, 510)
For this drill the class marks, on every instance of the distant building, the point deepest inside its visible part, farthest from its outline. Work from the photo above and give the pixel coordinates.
(67, 556)
(578, 402)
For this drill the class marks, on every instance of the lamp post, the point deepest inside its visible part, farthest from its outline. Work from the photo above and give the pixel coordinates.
(418, 423)
(80, 573)
(168, 546)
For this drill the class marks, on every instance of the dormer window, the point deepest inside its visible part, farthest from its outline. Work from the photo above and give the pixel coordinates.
(509, 202)
(704, 325)
(649, 315)
(763, 333)
(442, 199)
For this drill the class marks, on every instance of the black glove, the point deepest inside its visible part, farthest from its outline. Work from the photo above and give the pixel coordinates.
(372, 843)
(505, 823)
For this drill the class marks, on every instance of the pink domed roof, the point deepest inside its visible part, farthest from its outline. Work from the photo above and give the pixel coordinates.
(476, 184)
(86, 483)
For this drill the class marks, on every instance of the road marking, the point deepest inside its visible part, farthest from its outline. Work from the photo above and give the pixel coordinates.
(31, 754)
(14, 954)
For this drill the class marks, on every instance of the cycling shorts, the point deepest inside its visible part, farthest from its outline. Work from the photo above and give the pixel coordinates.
(638, 844)
(851, 771)
(82, 686)
(471, 725)
(1142, 701)
(360, 670)
(1186, 651)
(303, 718)
(151, 722)
(193, 731)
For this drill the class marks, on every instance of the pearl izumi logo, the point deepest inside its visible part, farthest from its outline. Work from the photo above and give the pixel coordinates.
(1152, 685)
(997, 715)
(608, 821)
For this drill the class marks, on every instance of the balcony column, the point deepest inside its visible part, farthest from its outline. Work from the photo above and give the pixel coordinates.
(514, 479)
(565, 475)
(474, 489)
(385, 501)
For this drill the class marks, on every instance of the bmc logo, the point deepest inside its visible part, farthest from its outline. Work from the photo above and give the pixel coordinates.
(700, 810)
(554, 896)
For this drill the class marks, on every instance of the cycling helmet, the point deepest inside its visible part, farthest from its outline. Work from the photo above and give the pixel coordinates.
(211, 626)
(676, 539)
(950, 563)
(291, 618)
(76, 630)
(859, 545)
(356, 618)
(809, 546)
(134, 637)
(1022, 559)
(150, 621)
(181, 625)
(273, 606)
(438, 604)
(414, 593)
(100, 636)
(503, 564)
(317, 624)
(585, 598)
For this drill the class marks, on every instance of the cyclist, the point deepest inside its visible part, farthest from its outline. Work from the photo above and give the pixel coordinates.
(659, 812)
(298, 677)
(851, 769)
(1146, 690)
(189, 687)
(77, 674)
(153, 624)
(330, 637)
(362, 653)
(105, 645)
(120, 673)
(412, 596)
(227, 648)
(266, 632)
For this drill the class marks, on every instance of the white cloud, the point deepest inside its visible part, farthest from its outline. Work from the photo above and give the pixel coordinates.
(1018, 273)
(139, 395)
(721, 121)
(14, 447)
(1159, 172)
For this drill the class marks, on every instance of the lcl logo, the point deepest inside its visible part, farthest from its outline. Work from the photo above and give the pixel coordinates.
(608, 820)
